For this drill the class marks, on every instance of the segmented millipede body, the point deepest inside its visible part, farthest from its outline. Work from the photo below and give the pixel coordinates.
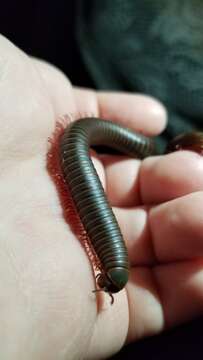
(88, 195)
(192, 141)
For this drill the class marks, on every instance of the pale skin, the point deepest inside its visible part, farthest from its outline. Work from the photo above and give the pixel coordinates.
(47, 308)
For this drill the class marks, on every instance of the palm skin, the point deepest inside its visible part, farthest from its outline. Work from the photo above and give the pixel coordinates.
(48, 310)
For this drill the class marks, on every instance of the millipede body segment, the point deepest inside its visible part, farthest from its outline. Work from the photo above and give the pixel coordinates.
(192, 141)
(88, 195)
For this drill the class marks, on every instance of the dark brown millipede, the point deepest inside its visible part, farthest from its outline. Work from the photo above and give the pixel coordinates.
(88, 195)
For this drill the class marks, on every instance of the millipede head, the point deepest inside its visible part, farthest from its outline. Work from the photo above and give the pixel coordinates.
(105, 284)
(113, 281)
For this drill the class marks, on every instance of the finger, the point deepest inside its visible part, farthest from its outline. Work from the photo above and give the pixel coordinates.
(139, 112)
(163, 297)
(177, 227)
(86, 102)
(165, 233)
(145, 309)
(108, 105)
(58, 87)
(122, 180)
(166, 177)
(181, 291)
(135, 229)
(156, 179)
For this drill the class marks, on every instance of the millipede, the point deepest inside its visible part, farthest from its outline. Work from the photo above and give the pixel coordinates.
(90, 201)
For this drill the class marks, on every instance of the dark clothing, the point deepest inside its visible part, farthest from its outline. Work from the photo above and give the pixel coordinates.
(152, 47)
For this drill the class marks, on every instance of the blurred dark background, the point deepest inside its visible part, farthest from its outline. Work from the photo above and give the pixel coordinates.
(46, 29)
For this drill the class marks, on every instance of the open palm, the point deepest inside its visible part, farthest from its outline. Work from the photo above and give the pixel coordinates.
(48, 310)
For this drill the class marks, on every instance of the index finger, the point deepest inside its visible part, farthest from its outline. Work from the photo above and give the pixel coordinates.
(141, 113)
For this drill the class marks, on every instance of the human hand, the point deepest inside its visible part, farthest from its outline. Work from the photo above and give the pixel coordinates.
(48, 310)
